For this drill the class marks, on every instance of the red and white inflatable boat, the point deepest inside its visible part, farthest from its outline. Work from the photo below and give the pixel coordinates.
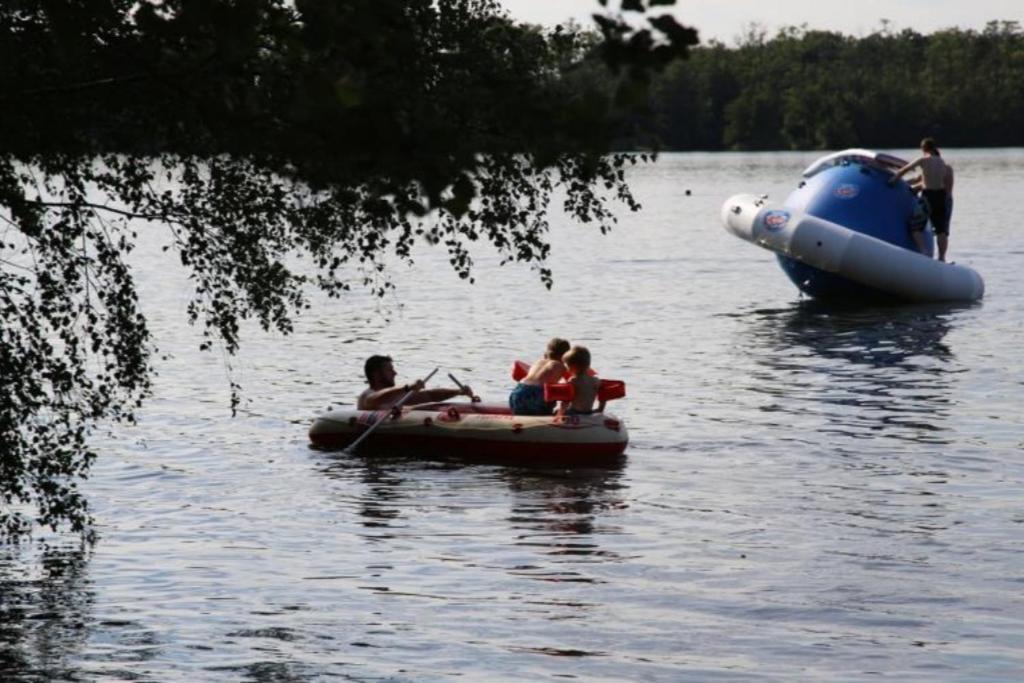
(485, 431)
(478, 430)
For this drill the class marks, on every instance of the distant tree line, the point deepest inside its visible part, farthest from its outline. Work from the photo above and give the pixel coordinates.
(805, 89)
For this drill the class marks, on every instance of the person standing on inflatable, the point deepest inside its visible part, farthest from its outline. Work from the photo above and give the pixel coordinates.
(918, 185)
(935, 177)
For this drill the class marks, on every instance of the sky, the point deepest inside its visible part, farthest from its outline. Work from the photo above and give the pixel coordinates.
(725, 19)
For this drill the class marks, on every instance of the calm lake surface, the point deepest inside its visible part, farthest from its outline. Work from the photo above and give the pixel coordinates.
(809, 493)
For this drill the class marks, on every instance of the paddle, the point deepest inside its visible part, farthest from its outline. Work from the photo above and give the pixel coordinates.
(352, 446)
(460, 385)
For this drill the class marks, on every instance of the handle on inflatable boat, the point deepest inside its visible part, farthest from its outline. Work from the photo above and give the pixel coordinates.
(352, 446)
(607, 390)
(474, 398)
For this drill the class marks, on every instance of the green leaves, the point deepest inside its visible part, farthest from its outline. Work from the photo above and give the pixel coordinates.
(282, 146)
(643, 51)
(463, 191)
(73, 346)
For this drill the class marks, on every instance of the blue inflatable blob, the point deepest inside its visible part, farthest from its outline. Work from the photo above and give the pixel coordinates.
(858, 197)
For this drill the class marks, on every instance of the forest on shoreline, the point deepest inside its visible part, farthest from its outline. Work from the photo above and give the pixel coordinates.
(808, 89)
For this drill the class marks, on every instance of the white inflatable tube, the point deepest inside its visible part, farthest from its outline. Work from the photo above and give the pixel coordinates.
(855, 256)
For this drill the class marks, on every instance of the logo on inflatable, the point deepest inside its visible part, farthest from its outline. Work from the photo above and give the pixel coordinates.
(776, 220)
(847, 191)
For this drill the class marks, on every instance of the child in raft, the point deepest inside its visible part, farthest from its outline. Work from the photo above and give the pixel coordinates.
(527, 398)
(584, 385)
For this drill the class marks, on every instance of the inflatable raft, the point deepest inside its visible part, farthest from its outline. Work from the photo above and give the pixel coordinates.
(844, 234)
(477, 430)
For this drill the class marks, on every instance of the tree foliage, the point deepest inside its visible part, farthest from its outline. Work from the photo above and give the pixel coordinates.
(805, 89)
(260, 134)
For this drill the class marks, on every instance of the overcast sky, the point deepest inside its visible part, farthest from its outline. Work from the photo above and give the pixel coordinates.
(725, 19)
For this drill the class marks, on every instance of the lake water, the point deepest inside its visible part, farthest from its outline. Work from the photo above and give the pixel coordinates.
(809, 494)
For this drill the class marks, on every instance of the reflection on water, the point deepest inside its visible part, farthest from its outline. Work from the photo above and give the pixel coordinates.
(49, 625)
(503, 545)
(553, 515)
(559, 501)
(863, 373)
(44, 616)
(866, 388)
(897, 337)
(557, 517)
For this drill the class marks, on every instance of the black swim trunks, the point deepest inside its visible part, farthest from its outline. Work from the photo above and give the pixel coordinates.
(937, 210)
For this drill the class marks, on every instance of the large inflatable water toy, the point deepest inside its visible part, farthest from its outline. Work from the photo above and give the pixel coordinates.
(844, 234)
(483, 431)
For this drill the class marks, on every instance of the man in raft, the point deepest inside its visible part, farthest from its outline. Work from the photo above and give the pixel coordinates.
(383, 394)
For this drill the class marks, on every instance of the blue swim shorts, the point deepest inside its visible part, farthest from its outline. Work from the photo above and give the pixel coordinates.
(528, 399)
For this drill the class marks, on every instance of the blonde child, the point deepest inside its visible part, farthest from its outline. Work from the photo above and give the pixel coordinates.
(585, 386)
(527, 398)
